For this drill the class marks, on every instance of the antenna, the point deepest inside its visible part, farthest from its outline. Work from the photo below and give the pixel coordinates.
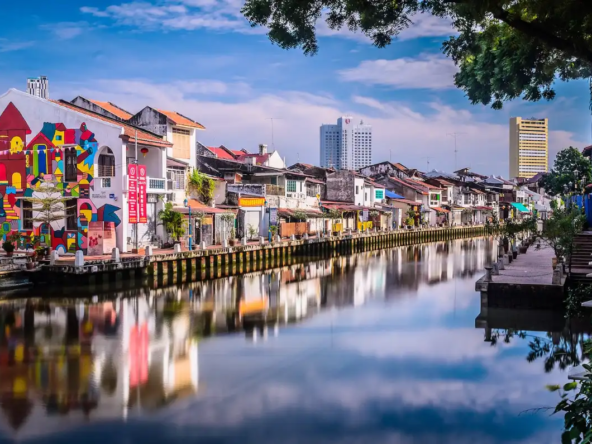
(427, 158)
(272, 135)
(455, 135)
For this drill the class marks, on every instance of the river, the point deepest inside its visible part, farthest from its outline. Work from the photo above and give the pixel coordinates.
(388, 346)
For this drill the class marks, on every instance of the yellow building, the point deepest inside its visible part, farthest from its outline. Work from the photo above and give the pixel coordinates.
(529, 147)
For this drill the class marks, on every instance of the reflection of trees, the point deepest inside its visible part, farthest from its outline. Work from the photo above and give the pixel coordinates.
(561, 349)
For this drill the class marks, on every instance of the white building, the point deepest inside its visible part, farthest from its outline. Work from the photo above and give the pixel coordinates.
(346, 145)
(38, 86)
(86, 156)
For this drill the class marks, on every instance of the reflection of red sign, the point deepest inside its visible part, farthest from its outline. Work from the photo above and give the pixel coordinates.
(142, 193)
(138, 354)
(132, 195)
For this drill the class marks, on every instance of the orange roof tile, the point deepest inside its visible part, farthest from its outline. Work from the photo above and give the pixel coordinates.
(144, 137)
(113, 109)
(179, 119)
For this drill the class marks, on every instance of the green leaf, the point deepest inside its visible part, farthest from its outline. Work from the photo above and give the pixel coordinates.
(553, 388)
(570, 386)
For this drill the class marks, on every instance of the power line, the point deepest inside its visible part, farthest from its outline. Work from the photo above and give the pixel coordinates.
(272, 131)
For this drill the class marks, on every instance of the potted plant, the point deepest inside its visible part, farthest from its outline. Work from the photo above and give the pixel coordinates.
(273, 229)
(232, 241)
(252, 232)
(8, 247)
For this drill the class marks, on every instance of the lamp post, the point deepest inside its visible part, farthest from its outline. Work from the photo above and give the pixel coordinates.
(186, 203)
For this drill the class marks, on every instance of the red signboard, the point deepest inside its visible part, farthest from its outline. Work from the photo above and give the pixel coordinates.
(142, 193)
(132, 195)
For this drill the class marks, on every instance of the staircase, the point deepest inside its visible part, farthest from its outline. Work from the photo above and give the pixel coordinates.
(581, 258)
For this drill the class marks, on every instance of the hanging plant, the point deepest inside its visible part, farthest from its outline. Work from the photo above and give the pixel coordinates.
(201, 186)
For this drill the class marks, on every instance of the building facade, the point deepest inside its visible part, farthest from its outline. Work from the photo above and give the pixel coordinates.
(346, 145)
(38, 86)
(529, 146)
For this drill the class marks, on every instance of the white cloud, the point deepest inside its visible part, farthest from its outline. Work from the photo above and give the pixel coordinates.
(9, 46)
(242, 121)
(427, 25)
(67, 30)
(428, 71)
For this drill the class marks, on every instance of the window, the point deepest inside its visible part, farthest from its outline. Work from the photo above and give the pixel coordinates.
(185, 132)
(357, 189)
(70, 159)
(107, 164)
(27, 214)
(71, 212)
(177, 179)
(106, 182)
(291, 186)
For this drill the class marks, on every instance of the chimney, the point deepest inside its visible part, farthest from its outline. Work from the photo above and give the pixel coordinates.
(262, 149)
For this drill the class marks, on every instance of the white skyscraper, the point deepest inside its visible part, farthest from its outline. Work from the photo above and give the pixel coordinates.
(346, 145)
(38, 86)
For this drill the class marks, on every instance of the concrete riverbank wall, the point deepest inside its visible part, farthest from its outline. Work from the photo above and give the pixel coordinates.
(212, 263)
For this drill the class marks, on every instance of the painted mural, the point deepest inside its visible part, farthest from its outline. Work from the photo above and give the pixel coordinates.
(65, 156)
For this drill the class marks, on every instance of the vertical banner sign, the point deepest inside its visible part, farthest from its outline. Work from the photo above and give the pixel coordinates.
(95, 238)
(108, 237)
(142, 194)
(132, 194)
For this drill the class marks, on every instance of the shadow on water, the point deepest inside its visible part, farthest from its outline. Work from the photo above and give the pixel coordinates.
(378, 346)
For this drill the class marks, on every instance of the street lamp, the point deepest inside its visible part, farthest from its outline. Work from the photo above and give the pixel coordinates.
(186, 203)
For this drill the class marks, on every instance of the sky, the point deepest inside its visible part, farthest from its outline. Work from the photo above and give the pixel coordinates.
(201, 58)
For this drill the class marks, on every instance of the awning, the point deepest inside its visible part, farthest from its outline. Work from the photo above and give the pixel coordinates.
(197, 206)
(520, 207)
(484, 208)
(407, 201)
(391, 195)
(288, 212)
(440, 210)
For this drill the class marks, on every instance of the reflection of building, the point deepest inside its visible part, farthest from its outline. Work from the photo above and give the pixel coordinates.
(60, 365)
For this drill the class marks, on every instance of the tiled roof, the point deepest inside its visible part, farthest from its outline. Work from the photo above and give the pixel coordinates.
(195, 204)
(220, 153)
(409, 185)
(259, 159)
(179, 119)
(176, 163)
(113, 109)
(427, 185)
(406, 201)
(144, 137)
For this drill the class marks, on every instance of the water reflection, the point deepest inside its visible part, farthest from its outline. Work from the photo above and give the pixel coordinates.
(379, 346)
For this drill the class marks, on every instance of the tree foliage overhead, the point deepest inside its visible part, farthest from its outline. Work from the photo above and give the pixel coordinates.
(570, 168)
(505, 49)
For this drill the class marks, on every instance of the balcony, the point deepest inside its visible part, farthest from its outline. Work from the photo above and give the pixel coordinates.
(156, 185)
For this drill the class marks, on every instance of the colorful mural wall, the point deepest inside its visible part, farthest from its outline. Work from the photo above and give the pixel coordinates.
(64, 156)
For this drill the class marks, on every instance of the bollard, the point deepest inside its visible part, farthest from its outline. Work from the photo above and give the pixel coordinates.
(53, 257)
(556, 276)
(278, 238)
(224, 243)
(261, 240)
(79, 259)
(203, 245)
(500, 264)
(115, 255)
(149, 250)
(506, 259)
(494, 269)
(292, 238)
(244, 241)
(487, 277)
(177, 248)
(305, 236)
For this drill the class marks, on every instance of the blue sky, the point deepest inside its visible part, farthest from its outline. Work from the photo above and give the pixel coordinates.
(201, 58)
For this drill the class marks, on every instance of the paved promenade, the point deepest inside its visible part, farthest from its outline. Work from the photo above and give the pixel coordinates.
(532, 268)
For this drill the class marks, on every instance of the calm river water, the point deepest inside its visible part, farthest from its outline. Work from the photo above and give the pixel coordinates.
(390, 346)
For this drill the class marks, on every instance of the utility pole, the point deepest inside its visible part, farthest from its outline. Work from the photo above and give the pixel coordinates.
(272, 132)
(455, 135)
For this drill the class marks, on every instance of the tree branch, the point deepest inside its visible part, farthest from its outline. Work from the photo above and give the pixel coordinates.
(534, 30)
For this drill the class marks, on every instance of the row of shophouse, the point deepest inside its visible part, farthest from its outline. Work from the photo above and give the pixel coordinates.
(87, 147)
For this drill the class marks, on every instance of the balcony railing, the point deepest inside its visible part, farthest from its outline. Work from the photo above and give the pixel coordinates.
(157, 185)
(274, 190)
(106, 170)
